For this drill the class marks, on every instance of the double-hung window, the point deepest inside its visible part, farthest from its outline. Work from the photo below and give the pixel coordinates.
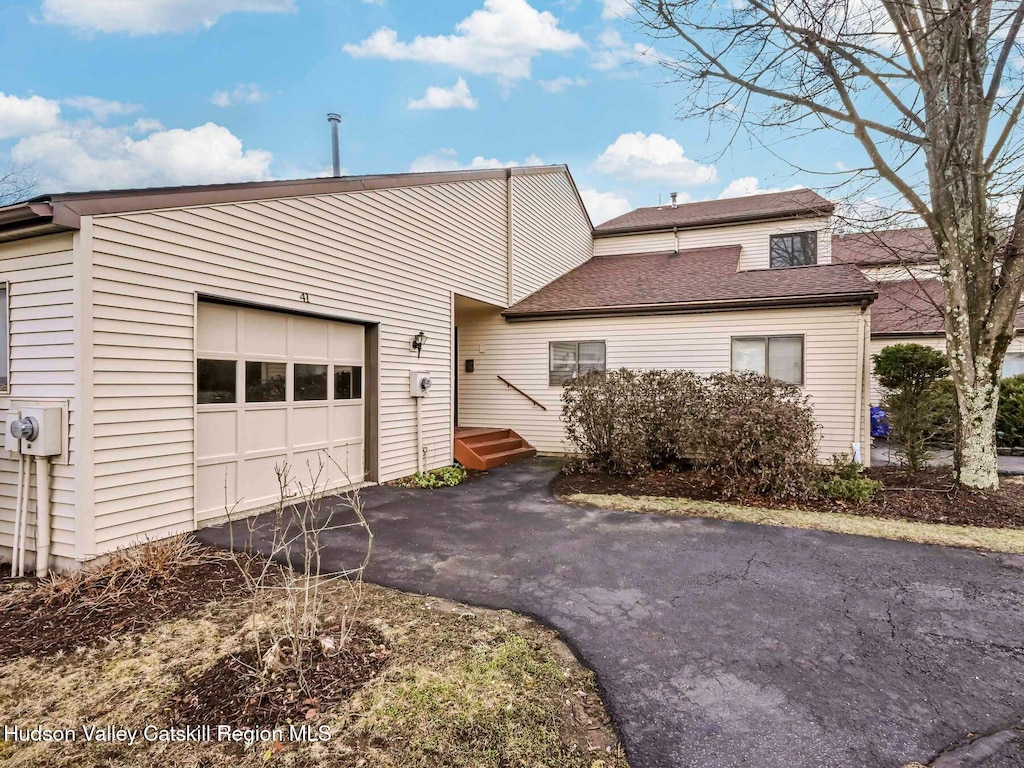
(796, 249)
(777, 357)
(569, 359)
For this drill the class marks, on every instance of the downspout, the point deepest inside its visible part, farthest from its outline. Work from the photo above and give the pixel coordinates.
(510, 201)
(675, 232)
(858, 400)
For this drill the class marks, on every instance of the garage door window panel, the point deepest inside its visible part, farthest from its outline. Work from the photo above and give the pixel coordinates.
(309, 382)
(216, 381)
(265, 382)
(348, 382)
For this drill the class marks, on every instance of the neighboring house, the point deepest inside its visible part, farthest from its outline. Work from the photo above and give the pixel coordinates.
(904, 266)
(198, 337)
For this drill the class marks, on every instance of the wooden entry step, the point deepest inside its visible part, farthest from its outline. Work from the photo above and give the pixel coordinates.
(485, 448)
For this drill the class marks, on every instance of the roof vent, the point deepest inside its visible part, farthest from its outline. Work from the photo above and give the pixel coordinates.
(334, 119)
(674, 195)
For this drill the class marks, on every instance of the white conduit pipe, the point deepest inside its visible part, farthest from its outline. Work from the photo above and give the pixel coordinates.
(18, 521)
(419, 434)
(42, 516)
(24, 483)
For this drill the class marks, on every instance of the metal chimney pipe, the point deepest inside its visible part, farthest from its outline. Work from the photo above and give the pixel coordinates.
(335, 119)
(673, 196)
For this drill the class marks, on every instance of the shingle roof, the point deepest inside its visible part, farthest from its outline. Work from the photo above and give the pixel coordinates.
(907, 307)
(778, 205)
(693, 280)
(877, 249)
(60, 212)
(912, 308)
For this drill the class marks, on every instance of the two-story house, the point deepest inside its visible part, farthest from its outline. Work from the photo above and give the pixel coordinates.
(195, 338)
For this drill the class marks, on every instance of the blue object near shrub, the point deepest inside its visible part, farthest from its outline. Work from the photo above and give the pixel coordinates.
(879, 422)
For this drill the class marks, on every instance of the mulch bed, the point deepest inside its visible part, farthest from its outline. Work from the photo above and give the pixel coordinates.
(929, 496)
(231, 693)
(35, 622)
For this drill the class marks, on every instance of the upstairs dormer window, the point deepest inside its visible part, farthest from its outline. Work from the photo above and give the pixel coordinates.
(796, 249)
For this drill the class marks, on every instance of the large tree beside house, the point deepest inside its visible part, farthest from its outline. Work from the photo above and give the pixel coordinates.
(931, 91)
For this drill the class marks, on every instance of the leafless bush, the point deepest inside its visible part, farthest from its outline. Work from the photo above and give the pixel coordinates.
(754, 434)
(629, 422)
(287, 586)
(760, 436)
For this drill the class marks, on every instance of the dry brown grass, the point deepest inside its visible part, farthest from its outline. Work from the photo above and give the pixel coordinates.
(126, 570)
(1009, 540)
(463, 687)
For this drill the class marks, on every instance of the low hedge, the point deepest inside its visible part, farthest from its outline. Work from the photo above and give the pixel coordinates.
(754, 434)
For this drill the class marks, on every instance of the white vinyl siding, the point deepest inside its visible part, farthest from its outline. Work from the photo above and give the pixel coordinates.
(754, 240)
(39, 273)
(700, 342)
(901, 272)
(550, 231)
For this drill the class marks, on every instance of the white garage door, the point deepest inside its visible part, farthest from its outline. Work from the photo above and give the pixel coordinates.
(273, 389)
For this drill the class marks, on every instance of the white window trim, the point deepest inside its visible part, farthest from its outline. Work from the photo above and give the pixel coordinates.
(765, 338)
(551, 344)
(817, 246)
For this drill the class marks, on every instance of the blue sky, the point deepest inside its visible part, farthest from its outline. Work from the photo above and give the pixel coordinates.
(115, 93)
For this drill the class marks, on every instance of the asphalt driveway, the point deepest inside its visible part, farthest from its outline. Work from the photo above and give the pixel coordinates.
(726, 644)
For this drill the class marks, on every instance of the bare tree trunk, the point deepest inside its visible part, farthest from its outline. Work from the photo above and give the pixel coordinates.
(975, 459)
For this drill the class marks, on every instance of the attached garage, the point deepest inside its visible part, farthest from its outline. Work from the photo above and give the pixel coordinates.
(274, 389)
(200, 337)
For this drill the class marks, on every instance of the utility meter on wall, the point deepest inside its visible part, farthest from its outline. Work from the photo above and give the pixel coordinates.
(419, 383)
(34, 431)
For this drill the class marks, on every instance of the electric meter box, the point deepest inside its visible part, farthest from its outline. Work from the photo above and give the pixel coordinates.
(419, 383)
(49, 432)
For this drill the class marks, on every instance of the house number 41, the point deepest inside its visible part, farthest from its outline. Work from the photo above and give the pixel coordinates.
(304, 298)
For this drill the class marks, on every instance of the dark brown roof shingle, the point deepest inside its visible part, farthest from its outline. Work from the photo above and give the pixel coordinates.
(912, 308)
(878, 249)
(692, 280)
(796, 203)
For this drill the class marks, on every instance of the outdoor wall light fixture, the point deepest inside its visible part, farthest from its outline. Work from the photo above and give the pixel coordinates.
(418, 341)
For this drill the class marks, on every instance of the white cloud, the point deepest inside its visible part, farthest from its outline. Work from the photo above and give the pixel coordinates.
(501, 39)
(85, 156)
(653, 158)
(146, 125)
(101, 109)
(436, 97)
(243, 93)
(603, 206)
(613, 52)
(615, 9)
(559, 84)
(151, 17)
(22, 117)
(749, 185)
(447, 159)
